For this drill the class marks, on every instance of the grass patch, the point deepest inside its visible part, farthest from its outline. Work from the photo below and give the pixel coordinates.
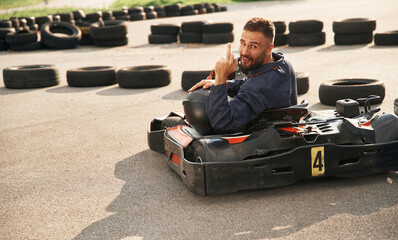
(7, 4)
(118, 4)
(39, 12)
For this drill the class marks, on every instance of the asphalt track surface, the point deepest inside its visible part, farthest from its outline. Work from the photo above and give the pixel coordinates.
(74, 162)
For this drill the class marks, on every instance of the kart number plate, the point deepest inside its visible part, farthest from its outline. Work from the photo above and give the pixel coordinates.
(317, 161)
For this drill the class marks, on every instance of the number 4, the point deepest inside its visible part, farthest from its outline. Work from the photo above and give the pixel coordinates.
(317, 161)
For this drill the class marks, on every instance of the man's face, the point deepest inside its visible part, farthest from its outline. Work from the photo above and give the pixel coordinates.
(254, 49)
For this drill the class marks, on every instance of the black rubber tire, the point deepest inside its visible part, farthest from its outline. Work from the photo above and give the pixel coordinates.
(280, 39)
(187, 8)
(137, 16)
(144, 76)
(4, 46)
(117, 14)
(303, 82)
(56, 18)
(161, 14)
(149, 9)
(135, 10)
(189, 37)
(173, 8)
(173, 14)
(396, 106)
(94, 17)
(190, 78)
(210, 9)
(151, 15)
(169, 29)
(217, 38)
(389, 38)
(5, 31)
(30, 20)
(30, 76)
(159, 8)
(217, 28)
(202, 11)
(161, 38)
(172, 122)
(193, 27)
(66, 17)
(14, 22)
(280, 26)
(69, 39)
(216, 7)
(333, 90)
(21, 37)
(33, 46)
(199, 154)
(306, 26)
(354, 26)
(198, 6)
(79, 15)
(223, 9)
(111, 42)
(86, 40)
(5, 24)
(34, 27)
(110, 29)
(189, 13)
(94, 76)
(108, 16)
(352, 39)
(42, 20)
(306, 39)
(122, 18)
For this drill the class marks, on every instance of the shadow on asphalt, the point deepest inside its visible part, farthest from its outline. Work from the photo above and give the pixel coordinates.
(118, 91)
(336, 48)
(176, 95)
(9, 91)
(154, 204)
(67, 89)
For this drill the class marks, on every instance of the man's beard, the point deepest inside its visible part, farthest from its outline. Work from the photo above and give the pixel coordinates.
(253, 64)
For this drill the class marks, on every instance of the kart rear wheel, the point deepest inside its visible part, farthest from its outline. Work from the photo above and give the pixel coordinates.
(172, 122)
(199, 154)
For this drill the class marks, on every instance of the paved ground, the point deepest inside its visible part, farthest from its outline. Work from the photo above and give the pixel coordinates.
(74, 163)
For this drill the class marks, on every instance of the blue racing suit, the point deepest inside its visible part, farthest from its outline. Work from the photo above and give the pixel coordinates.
(272, 85)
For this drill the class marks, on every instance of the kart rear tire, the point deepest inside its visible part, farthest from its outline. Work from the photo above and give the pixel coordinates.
(333, 90)
(199, 154)
(94, 76)
(303, 82)
(172, 122)
(190, 78)
(144, 76)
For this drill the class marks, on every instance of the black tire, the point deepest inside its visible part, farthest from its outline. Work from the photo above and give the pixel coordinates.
(144, 76)
(306, 26)
(169, 29)
(111, 42)
(4, 46)
(110, 29)
(94, 17)
(190, 78)
(79, 15)
(86, 40)
(172, 122)
(5, 24)
(91, 76)
(193, 27)
(333, 90)
(21, 37)
(210, 9)
(198, 6)
(34, 27)
(280, 39)
(5, 31)
(148, 9)
(217, 38)
(161, 14)
(33, 46)
(223, 9)
(199, 154)
(30, 76)
(303, 82)
(118, 14)
(68, 39)
(151, 15)
(189, 37)
(189, 13)
(173, 8)
(187, 8)
(217, 28)
(30, 20)
(352, 39)
(14, 22)
(280, 26)
(42, 20)
(396, 106)
(162, 38)
(135, 10)
(108, 15)
(159, 8)
(137, 16)
(173, 14)
(306, 39)
(354, 26)
(386, 38)
(66, 17)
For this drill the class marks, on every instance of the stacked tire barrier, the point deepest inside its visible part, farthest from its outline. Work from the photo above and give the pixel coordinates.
(109, 33)
(5, 28)
(200, 7)
(136, 13)
(173, 10)
(353, 31)
(119, 15)
(24, 40)
(60, 35)
(86, 38)
(30, 23)
(306, 33)
(164, 33)
(30, 76)
(150, 12)
(191, 32)
(93, 17)
(189, 10)
(280, 35)
(217, 33)
(160, 11)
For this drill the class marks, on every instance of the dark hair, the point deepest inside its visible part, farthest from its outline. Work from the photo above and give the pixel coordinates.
(261, 24)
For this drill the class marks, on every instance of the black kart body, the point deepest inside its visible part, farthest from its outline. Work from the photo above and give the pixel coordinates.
(279, 148)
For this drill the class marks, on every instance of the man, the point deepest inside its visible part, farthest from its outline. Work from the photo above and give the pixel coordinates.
(271, 81)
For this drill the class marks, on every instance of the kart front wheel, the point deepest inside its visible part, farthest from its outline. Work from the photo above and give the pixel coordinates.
(199, 154)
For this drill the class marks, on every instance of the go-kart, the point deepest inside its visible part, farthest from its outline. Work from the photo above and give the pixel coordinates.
(278, 148)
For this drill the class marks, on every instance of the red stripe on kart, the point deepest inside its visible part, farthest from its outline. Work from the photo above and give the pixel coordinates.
(175, 159)
(291, 129)
(233, 140)
(177, 133)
